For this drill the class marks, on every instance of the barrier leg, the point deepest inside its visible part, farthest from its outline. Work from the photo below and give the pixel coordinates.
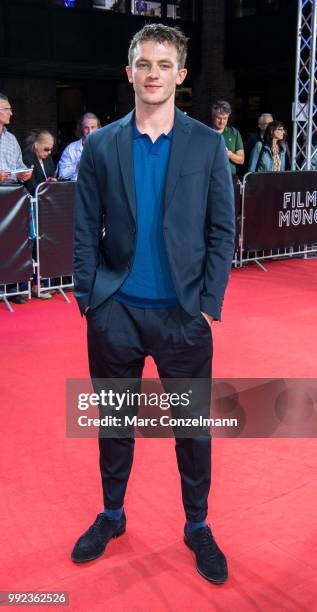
(260, 265)
(63, 294)
(7, 303)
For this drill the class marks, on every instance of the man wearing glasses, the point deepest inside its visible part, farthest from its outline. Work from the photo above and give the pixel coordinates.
(12, 168)
(10, 151)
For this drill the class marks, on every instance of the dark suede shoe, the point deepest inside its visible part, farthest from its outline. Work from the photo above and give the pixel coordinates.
(93, 542)
(210, 560)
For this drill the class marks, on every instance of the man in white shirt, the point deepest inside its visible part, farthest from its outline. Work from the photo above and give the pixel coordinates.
(69, 162)
(11, 162)
(10, 151)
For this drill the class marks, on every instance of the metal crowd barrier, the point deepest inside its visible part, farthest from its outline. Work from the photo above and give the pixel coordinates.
(49, 257)
(304, 251)
(237, 189)
(15, 244)
(54, 213)
(276, 216)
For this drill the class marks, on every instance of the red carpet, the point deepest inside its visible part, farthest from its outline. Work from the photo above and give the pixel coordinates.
(263, 502)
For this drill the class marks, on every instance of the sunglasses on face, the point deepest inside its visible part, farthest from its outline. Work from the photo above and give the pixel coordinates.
(47, 149)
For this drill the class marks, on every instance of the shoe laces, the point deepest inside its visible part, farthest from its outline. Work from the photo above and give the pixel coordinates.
(207, 544)
(98, 523)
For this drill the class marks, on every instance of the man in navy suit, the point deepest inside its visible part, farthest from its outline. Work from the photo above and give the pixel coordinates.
(154, 241)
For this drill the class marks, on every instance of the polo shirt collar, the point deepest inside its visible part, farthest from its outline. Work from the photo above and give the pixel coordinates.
(137, 134)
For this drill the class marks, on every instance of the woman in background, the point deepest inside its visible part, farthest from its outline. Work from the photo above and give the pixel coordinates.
(39, 145)
(272, 155)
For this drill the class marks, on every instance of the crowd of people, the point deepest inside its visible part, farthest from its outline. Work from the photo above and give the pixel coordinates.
(34, 166)
(266, 150)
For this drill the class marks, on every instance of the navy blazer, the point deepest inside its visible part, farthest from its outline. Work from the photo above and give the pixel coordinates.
(198, 220)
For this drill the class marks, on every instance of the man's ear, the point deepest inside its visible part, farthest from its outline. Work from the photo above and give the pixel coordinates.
(128, 70)
(182, 73)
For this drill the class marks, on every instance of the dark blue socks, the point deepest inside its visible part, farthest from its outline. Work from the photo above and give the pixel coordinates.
(191, 527)
(113, 515)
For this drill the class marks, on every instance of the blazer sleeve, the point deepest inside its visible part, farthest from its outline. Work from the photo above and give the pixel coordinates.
(88, 225)
(254, 156)
(220, 233)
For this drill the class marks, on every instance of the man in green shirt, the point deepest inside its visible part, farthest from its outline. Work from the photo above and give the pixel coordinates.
(220, 113)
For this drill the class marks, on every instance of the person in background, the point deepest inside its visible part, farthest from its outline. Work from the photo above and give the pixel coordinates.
(69, 162)
(10, 162)
(10, 151)
(39, 146)
(271, 155)
(220, 113)
(257, 136)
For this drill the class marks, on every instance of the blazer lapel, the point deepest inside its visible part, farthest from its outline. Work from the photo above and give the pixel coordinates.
(39, 169)
(124, 144)
(179, 149)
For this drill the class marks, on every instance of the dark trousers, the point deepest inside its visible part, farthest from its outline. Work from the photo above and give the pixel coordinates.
(119, 339)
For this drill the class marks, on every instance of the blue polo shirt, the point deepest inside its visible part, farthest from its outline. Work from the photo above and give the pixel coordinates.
(149, 284)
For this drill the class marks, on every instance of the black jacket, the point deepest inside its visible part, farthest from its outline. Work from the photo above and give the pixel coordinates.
(38, 175)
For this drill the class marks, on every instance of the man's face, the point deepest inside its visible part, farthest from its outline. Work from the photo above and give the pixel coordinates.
(264, 122)
(43, 148)
(88, 126)
(219, 121)
(155, 72)
(5, 112)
